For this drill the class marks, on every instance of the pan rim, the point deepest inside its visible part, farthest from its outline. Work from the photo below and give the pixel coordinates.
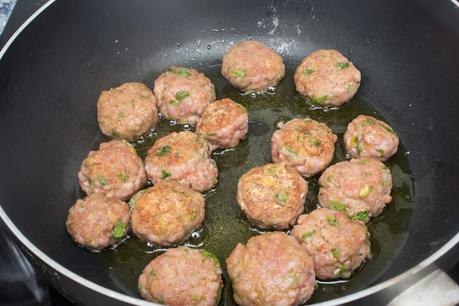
(136, 301)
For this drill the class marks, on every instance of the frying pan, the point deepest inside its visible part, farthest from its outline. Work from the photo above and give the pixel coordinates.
(54, 67)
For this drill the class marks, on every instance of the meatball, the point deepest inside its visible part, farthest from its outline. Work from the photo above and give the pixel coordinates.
(327, 78)
(305, 144)
(272, 196)
(182, 157)
(360, 187)
(114, 169)
(271, 269)
(368, 137)
(167, 213)
(251, 66)
(183, 93)
(127, 111)
(98, 221)
(182, 276)
(223, 123)
(337, 244)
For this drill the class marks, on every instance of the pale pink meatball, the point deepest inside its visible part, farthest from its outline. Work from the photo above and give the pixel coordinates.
(183, 93)
(251, 66)
(223, 123)
(360, 187)
(304, 144)
(114, 169)
(127, 111)
(327, 78)
(98, 221)
(337, 244)
(272, 196)
(167, 213)
(182, 276)
(182, 157)
(271, 269)
(367, 137)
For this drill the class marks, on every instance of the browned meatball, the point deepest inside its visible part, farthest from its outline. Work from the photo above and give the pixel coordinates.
(182, 276)
(272, 196)
(337, 244)
(251, 66)
(167, 213)
(327, 78)
(367, 137)
(182, 157)
(360, 187)
(114, 169)
(305, 144)
(223, 123)
(127, 111)
(183, 93)
(98, 221)
(271, 269)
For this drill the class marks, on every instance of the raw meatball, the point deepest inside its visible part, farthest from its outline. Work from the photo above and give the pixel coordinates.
(183, 93)
(182, 276)
(272, 196)
(327, 78)
(271, 269)
(337, 244)
(182, 157)
(251, 66)
(127, 111)
(360, 187)
(115, 170)
(305, 144)
(371, 138)
(167, 213)
(223, 123)
(98, 221)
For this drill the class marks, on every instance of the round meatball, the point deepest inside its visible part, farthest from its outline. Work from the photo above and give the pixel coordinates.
(167, 213)
(337, 244)
(327, 78)
(251, 66)
(360, 187)
(183, 93)
(272, 196)
(305, 144)
(182, 276)
(368, 137)
(271, 269)
(223, 123)
(114, 169)
(98, 221)
(182, 157)
(127, 111)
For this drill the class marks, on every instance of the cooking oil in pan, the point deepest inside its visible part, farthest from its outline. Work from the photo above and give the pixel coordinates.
(225, 225)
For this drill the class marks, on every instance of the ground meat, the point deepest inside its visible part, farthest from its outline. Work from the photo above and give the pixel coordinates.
(114, 169)
(223, 123)
(305, 144)
(182, 276)
(251, 66)
(98, 221)
(360, 187)
(337, 244)
(271, 269)
(272, 196)
(182, 157)
(127, 111)
(167, 213)
(327, 78)
(183, 93)
(367, 137)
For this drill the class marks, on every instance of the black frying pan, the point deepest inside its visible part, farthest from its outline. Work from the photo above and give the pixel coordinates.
(52, 73)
